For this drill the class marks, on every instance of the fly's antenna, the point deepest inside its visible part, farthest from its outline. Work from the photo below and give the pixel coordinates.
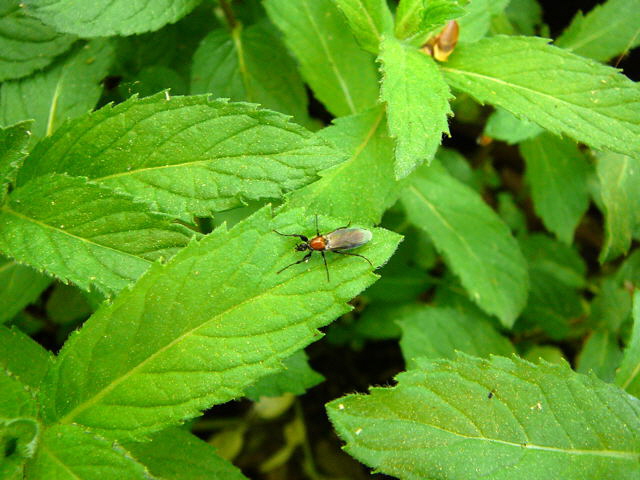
(317, 229)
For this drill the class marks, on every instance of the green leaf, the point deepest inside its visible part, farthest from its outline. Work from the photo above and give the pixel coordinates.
(23, 358)
(84, 233)
(476, 23)
(250, 64)
(16, 401)
(556, 272)
(504, 126)
(558, 173)
(102, 18)
(13, 150)
(341, 75)
(628, 375)
(435, 332)
(296, 378)
(19, 286)
(417, 104)
(619, 177)
(526, 15)
(476, 244)
(26, 43)
(175, 454)
(369, 20)
(363, 187)
(202, 328)
(541, 421)
(185, 155)
(560, 91)
(416, 20)
(67, 89)
(610, 29)
(73, 452)
(600, 354)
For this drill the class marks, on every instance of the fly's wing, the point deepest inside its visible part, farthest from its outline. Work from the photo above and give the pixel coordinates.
(347, 238)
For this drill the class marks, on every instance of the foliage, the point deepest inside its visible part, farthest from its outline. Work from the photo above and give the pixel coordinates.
(151, 152)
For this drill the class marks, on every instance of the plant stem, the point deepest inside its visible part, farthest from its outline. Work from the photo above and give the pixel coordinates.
(225, 5)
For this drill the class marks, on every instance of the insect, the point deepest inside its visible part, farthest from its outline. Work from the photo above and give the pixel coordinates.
(442, 45)
(343, 238)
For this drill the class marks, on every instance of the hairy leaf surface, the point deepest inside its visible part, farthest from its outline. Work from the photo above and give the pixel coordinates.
(73, 452)
(500, 418)
(202, 328)
(186, 155)
(417, 104)
(345, 190)
(23, 358)
(369, 20)
(562, 92)
(101, 18)
(84, 233)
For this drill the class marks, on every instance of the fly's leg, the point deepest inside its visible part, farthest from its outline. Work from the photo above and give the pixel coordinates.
(324, 259)
(353, 255)
(303, 259)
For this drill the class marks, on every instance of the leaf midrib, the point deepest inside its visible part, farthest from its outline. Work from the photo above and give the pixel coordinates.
(46, 226)
(68, 418)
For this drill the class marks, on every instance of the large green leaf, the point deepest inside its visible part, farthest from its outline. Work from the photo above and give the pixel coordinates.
(560, 91)
(26, 43)
(19, 286)
(436, 332)
(363, 187)
(619, 177)
(175, 454)
(250, 64)
(369, 20)
(610, 29)
(186, 155)
(84, 233)
(67, 89)
(101, 18)
(202, 328)
(558, 173)
(475, 242)
(13, 150)
(341, 75)
(628, 375)
(500, 418)
(71, 452)
(417, 104)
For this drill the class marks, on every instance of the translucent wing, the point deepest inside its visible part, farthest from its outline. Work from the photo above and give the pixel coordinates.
(347, 238)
